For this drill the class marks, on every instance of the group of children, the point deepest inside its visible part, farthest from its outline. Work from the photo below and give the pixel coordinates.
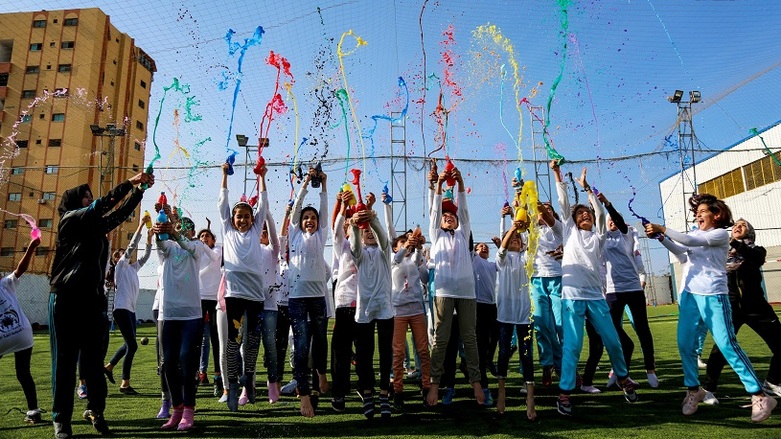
(257, 286)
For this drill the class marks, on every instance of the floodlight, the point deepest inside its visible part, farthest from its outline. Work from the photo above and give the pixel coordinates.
(694, 97)
(242, 139)
(676, 97)
(96, 130)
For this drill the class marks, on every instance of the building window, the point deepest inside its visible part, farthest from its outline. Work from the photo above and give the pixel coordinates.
(137, 146)
(55, 142)
(52, 169)
(135, 168)
(27, 118)
(725, 185)
(17, 171)
(46, 223)
(22, 143)
(62, 68)
(49, 196)
(32, 69)
(3, 79)
(70, 22)
(39, 23)
(52, 44)
(58, 117)
(14, 196)
(41, 251)
(10, 224)
(141, 103)
(6, 251)
(143, 84)
(67, 45)
(36, 47)
(28, 94)
(139, 125)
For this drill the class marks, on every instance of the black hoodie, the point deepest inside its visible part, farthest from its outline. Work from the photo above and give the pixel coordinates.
(82, 249)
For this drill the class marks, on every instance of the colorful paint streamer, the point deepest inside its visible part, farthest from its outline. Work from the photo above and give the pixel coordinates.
(340, 53)
(564, 20)
(772, 155)
(377, 117)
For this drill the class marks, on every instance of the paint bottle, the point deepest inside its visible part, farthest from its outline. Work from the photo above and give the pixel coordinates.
(161, 216)
(147, 219)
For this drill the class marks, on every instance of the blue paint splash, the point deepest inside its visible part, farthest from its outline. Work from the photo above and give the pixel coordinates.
(233, 47)
(369, 134)
(176, 87)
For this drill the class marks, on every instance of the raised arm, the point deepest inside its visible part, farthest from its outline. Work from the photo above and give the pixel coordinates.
(147, 250)
(261, 209)
(389, 219)
(24, 263)
(223, 205)
(561, 191)
(618, 220)
(273, 237)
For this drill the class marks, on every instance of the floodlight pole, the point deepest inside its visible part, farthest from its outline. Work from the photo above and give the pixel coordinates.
(686, 139)
(107, 170)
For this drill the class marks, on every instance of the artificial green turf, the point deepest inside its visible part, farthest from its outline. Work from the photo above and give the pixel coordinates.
(656, 415)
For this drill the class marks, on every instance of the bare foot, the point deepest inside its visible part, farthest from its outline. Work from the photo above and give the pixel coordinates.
(500, 401)
(323, 382)
(479, 395)
(306, 407)
(531, 412)
(433, 395)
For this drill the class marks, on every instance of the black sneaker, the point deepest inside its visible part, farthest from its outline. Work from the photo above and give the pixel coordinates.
(98, 421)
(110, 375)
(338, 404)
(33, 416)
(368, 406)
(564, 406)
(314, 399)
(385, 407)
(218, 387)
(629, 391)
(62, 430)
(398, 401)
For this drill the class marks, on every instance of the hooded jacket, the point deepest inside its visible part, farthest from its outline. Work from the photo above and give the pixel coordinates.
(745, 281)
(81, 251)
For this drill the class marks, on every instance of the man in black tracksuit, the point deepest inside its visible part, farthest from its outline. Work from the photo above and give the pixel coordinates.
(77, 304)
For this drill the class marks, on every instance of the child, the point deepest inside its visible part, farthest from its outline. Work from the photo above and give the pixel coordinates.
(209, 277)
(306, 304)
(583, 234)
(269, 253)
(705, 296)
(17, 334)
(244, 288)
(127, 289)
(513, 306)
(487, 330)
(180, 316)
(454, 284)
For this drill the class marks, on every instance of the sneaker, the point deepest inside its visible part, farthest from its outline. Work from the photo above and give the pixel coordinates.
(233, 397)
(629, 390)
(98, 421)
(385, 407)
(243, 400)
(589, 389)
(223, 398)
(710, 398)
(547, 375)
(62, 430)
(612, 379)
(110, 375)
(449, 394)
(701, 364)
(165, 410)
(693, 398)
(129, 390)
(33, 416)
(564, 405)
(489, 400)
(398, 400)
(368, 406)
(188, 415)
(219, 389)
(653, 381)
(761, 407)
(273, 392)
(523, 390)
(337, 404)
(773, 389)
(203, 379)
(289, 388)
(248, 381)
(82, 391)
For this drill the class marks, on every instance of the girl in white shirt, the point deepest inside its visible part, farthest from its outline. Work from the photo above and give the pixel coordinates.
(125, 298)
(704, 297)
(583, 234)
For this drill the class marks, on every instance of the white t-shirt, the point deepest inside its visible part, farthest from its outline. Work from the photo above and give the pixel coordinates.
(546, 265)
(210, 273)
(485, 279)
(241, 252)
(513, 303)
(374, 275)
(307, 270)
(16, 334)
(346, 292)
(622, 275)
(126, 276)
(407, 276)
(580, 266)
(181, 298)
(453, 276)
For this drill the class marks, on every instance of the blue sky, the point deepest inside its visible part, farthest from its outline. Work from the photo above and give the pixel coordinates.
(623, 59)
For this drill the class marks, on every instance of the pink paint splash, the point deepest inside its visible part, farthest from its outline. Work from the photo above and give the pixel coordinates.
(276, 105)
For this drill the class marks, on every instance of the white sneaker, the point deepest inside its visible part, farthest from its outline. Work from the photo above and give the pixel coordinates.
(289, 388)
(691, 401)
(773, 389)
(701, 364)
(223, 398)
(761, 407)
(590, 389)
(710, 398)
(612, 379)
(653, 381)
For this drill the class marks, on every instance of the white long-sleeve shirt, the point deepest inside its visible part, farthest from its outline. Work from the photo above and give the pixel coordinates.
(210, 273)
(580, 266)
(704, 258)
(453, 275)
(513, 303)
(269, 258)
(374, 275)
(346, 292)
(546, 265)
(126, 275)
(180, 298)
(241, 252)
(485, 279)
(622, 274)
(307, 270)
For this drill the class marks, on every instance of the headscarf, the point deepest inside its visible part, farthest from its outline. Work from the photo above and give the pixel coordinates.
(71, 199)
(735, 259)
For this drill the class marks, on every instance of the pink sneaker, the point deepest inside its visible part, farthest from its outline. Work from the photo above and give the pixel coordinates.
(243, 400)
(273, 392)
(187, 419)
(176, 416)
